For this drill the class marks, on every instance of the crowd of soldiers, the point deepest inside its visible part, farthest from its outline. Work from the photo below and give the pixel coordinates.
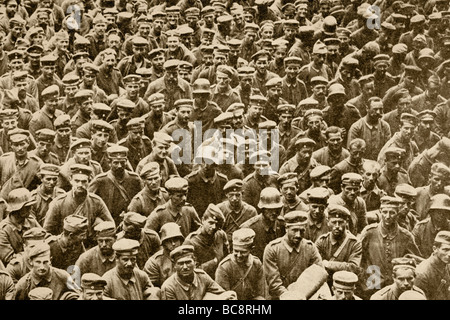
(316, 135)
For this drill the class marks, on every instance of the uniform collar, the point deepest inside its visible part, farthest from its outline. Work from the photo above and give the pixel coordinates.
(126, 281)
(288, 246)
(385, 233)
(207, 180)
(187, 286)
(47, 278)
(103, 258)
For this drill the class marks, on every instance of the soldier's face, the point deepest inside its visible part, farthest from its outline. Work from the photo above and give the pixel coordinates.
(16, 31)
(314, 123)
(161, 150)
(442, 252)
(350, 192)
(271, 214)
(274, 93)
(11, 8)
(89, 78)
(289, 33)
(105, 245)
(304, 155)
(356, 153)
(337, 227)
(407, 131)
(118, 165)
(438, 182)
(70, 91)
(295, 234)
(153, 183)
(20, 148)
(209, 19)
(404, 105)
(210, 226)
(172, 243)
(424, 127)
(144, 30)
(40, 265)
(184, 266)
(393, 165)
(100, 29)
(255, 111)
(192, 21)
(109, 61)
(208, 59)
(289, 191)
(334, 141)
(172, 19)
(92, 294)
(82, 156)
(285, 119)
(48, 71)
(319, 59)
(9, 124)
(261, 65)
(267, 33)
(246, 83)
(79, 182)
(63, 134)
(158, 62)
(292, 71)
(125, 263)
(343, 294)
(241, 255)
(317, 211)
(16, 64)
(370, 177)
(235, 198)
(49, 181)
(100, 139)
(368, 89)
(132, 231)
(238, 121)
(389, 215)
(113, 42)
(322, 182)
(178, 199)
(63, 44)
(184, 114)
(404, 279)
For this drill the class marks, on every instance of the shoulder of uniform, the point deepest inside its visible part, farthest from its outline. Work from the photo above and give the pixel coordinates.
(251, 221)
(247, 178)
(61, 196)
(100, 175)
(275, 242)
(222, 175)
(199, 271)
(121, 141)
(158, 254)
(16, 259)
(160, 208)
(224, 260)
(370, 226)
(424, 221)
(309, 242)
(6, 154)
(133, 174)
(26, 111)
(351, 236)
(187, 204)
(151, 232)
(192, 174)
(383, 291)
(323, 236)
(93, 195)
(36, 158)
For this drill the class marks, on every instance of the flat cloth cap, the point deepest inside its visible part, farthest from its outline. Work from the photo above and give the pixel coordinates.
(234, 185)
(39, 249)
(51, 91)
(403, 262)
(214, 212)
(162, 138)
(304, 142)
(49, 169)
(71, 79)
(439, 168)
(90, 68)
(388, 201)
(40, 293)
(287, 178)
(400, 48)
(102, 126)
(135, 219)
(274, 82)
(352, 178)
(124, 245)
(345, 280)
(286, 109)
(126, 104)
(394, 153)
(15, 54)
(243, 237)
(9, 113)
(105, 229)
(443, 237)
(184, 103)
(268, 124)
(135, 124)
(405, 190)
(75, 223)
(319, 171)
(117, 152)
(92, 281)
(156, 98)
(45, 135)
(132, 79)
(36, 233)
(156, 52)
(176, 184)
(318, 195)
(223, 70)
(258, 100)
(260, 54)
(171, 64)
(181, 252)
(17, 135)
(81, 169)
(80, 144)
(338, 211)
(84, 94)
(296, 218)
(150, 170)
(440, 202)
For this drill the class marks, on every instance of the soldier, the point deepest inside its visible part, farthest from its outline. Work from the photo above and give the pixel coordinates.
(334, 152)
(81, 150)
(286, 257)
(288, 185)
(184, 262)
(438, 180)
(255, 110)
(84, 103)
(157, 118)
(432, 275)
(46, 117)
(48, 77)
(118, 185)
(159, 267)
(18, 98)
(317, 221)
(319, 91)
(339, 248)
(97, 36)
(68, 246)
(118, 280)
(381, 243)
(176, 209)
(153, 195)
(301, 163)
(262, 75)
(391, 174)
(241, 271)
(426, 230)
(222, 93)
(293, 89)
(157, 59)
(234, 209)
(285, 128)
(424, 137)
(316, 67)
(124, 109)
(101, 131)
(344, 285)
(100, 111)
(171, 85)
(88, 82)
(46, 191)
(312, 124)
(77, 201)
(133, 228)
(160, 154)
(320, 177)
(109, 78)
(45, 139)
(100, 258)
(403, 274)
(132, 86)
(370, 192)
(42, 274)
(372, 129)
(63, 137)
(9, 122)
(402, 99)
(67, 103)
(18, 168)
(61, 51)
(20, 264)
(139, 145)
(92, 287)
(407, 216)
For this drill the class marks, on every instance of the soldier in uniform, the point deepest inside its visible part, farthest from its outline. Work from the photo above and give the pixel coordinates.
(81, 150)
(234, 209)
(392, 174)
(426, 230)
(179, 286)
(77, 201)
(293, 89)
(125, 281)
(333, 152)
(424, 137)
(403, 274)
(45, 139)
(241, 271)
(48, 77)
(153, 195)
(261, 74)
(88, 82)
(157, 118)
(46, 191)
(118, 185)
(286, 130)
(139, 145)
(381, 243)
(100, 258)
(133, 228)
(97, 36)
(432, 274)
(344, 285)
(99, 112)
(92, 287)
(18, 168)
(407, 216)
(68, 246)
(176, 209)
(42, 274)
(124, 109)
(370, 192)
(159, 267)
(157, 59)
(63, 137)
(222, 93)
(317, 220)
(20, 264)
(109, 78)
(46, 117)
(286, 257)
(67, 103)
(301, 163)
(84, 104)
(288, 185)
(320, 177)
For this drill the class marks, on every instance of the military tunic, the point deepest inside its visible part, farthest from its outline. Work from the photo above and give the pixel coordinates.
(144, 202)
(424, 234)
(326, 158)
(64, 173)
(234, 219)
(40, 208)
(150, 243)
(357, 210)
(93, 261)
(18, 267)
(391, 292)
(7, 288)
(387, 182)
(166, 166)
(136, 152)
(135, 288)
(159, 267)
(43, 120)
(64, 256)
(304, 180)
(433, 277)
